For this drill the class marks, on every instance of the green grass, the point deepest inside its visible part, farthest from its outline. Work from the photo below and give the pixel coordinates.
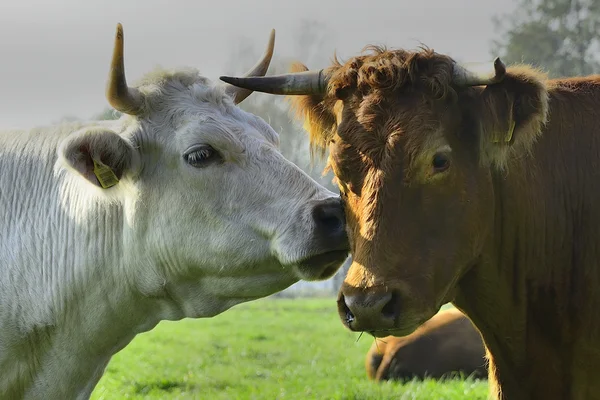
(267, 349)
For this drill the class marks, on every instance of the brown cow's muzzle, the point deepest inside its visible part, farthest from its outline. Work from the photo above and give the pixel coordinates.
(372, 310)
(379, 311)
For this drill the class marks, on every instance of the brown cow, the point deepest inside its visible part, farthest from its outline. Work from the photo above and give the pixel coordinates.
(446, 344)
(479, 189)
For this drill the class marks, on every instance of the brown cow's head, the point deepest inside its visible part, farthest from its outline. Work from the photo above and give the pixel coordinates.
(415, 140)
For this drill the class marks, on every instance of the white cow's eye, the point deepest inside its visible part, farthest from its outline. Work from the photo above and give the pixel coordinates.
(201, 156)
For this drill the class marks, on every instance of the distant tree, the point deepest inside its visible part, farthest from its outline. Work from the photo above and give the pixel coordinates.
(107, 114)
(560, 36)
(67, 118)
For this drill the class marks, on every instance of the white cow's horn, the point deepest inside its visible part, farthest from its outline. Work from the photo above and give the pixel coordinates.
(259, 69)
(119, 95)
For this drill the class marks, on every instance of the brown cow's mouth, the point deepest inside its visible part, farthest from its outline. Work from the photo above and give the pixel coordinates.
(400, 330)
(323, 265)
(394, 332)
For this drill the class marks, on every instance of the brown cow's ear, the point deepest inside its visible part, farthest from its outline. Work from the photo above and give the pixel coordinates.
(512, 115)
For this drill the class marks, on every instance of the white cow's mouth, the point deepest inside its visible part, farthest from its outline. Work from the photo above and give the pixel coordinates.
(321, 266)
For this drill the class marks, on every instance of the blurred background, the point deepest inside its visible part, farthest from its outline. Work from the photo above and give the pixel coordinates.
(55, 55)
(54, 59)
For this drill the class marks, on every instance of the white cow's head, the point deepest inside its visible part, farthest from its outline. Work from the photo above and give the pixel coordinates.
(214, 215)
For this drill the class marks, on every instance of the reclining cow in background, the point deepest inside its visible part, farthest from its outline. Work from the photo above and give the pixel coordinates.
(442, 347)
(182, 208)
(481, 189)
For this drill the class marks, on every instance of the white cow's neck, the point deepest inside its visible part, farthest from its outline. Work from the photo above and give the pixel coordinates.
(62, 278)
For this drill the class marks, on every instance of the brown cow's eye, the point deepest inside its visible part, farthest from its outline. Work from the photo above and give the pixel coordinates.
(440, 162)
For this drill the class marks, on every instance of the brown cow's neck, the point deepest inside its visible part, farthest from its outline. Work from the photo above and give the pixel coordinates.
(478, 303)
(533, 294)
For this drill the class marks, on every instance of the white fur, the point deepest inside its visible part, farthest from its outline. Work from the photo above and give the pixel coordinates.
(84, 269)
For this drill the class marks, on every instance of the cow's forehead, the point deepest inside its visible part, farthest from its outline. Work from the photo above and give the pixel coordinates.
(409, 128)
(191, 104)
(226, 121)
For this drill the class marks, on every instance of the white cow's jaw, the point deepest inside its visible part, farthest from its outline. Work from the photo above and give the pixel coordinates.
(212, 295)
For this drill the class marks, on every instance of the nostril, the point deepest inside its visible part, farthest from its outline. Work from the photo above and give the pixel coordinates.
(331, 223)
(373, 309)
(390, 309)
(349, 316)
(329, 216)
(345, 311)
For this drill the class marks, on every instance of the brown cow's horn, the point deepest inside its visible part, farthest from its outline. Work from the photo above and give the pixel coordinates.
(298, 83)
(260, 69)
(120, 96)
(470, 76)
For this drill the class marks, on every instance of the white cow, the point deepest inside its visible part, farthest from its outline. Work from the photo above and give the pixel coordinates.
(182, 208)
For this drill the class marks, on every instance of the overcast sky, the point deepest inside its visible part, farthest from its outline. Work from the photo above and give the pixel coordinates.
(55, 54)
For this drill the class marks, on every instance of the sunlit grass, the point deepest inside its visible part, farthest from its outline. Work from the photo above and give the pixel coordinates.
(267, 349)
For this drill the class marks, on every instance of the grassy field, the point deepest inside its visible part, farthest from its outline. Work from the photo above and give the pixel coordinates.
(267, 349)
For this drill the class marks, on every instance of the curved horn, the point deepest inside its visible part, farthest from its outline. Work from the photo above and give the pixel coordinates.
(119, 95)
(474, 76)
(297, 83)
(239, 94)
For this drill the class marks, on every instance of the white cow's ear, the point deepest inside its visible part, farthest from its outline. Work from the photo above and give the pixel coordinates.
(100, 155)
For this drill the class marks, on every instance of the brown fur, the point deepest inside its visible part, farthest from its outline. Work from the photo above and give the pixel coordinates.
(445, 345)
(510, 232)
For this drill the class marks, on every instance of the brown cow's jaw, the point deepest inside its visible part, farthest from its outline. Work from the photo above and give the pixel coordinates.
(399, 332)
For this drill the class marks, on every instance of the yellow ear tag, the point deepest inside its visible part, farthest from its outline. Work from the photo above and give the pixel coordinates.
(105, 175)
(511, 130)
(508, 137)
